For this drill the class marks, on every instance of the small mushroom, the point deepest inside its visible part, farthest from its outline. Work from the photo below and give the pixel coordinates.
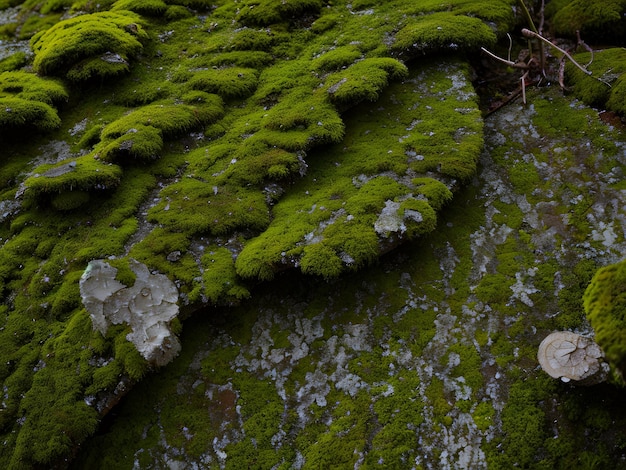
(568, 356)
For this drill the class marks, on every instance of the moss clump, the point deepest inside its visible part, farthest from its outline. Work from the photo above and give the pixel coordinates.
(143, 7)
(439, 30)
(597, 19)
(139, 135)
(97, 44)
(607, 85)
(249, 39)
(363, 80)
(13, 62)
(605, 305)
(228, 82)
(220, 277)
(70, 200)
(83, 174)
(336, 58)
(255, 12)
(28, 100)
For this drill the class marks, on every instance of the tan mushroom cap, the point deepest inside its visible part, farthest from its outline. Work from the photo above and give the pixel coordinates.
(568, 356)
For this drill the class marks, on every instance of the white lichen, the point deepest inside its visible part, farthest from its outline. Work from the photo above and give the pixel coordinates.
(148, 306)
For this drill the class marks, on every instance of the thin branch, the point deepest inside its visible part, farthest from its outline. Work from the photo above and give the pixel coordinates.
(585, 46)
(531, 34)
(542, 58)
(517, 65)
(510, 46)
(541, 17)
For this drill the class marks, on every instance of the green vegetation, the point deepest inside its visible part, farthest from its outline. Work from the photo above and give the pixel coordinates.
(607, 84)
(594, 19)
(605, 304)
(27, 100)
(86, 46)
(224, 144)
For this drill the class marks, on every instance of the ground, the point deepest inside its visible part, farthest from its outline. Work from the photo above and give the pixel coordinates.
(365, 262)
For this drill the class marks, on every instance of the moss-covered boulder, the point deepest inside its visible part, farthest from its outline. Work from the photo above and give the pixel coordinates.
(27, 100)
(605, 305)
(606, 86)
(86, 46)
(603, 20)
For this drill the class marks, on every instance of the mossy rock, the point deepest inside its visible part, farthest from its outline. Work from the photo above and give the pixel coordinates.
(97, 44)
(228, 82)
(606, 86)
(443, 31)
(143, 7)
(594, 19)
(363, 80)
(255, 12)
(83, 174)
(29, 100)
(605, 306)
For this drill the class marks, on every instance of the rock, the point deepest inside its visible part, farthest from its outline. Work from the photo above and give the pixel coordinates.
(568, 356)
(148, 307)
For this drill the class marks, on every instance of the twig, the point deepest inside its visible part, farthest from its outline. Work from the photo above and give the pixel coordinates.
(517, 65)
(541, 17)
(510, 46)
(542, 59)
(562, 73)
(531, 34)
(583, 44)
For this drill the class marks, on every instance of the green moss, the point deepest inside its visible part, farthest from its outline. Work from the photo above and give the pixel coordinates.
(248, 39)
(28, 100)
(219, 276)
(607, 85)
(81, 174)
(336, 58)
(74, 47)
(69, 200)
(363, 80)
(437, 31)
(143, 7)
(254, 12)
(228, 82)
(17, 113)
(605, 306)
(594, 19)
(13, 62)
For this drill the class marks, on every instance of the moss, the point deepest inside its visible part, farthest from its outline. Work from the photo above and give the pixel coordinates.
(220, 278)
(228, 82)
(363, 80)
(254, 12)
(143, 7)
(249, 39)
(594, 19)
(336, 58)
(28, 100)
(177, 12)
(607, 85)
(17, 113)
(81, 174)
(605, 306)
(437, 31)
(69, 200)
(74, 47)
(13, 62)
